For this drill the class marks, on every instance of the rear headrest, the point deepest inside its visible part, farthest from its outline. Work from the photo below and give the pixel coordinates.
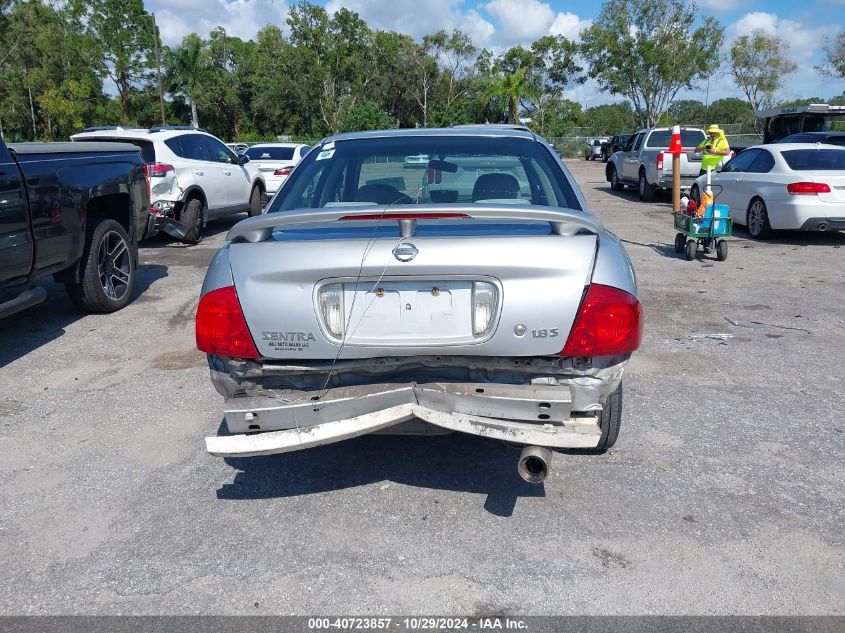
(492, 186)
(381, 194)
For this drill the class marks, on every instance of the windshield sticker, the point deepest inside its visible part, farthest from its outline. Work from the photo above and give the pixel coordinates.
(329, 145)
(327, 153)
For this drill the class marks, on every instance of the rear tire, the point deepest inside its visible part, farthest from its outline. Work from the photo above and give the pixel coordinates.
(108, 269)
(615, 184)
(191, 217)
(255, 202)
(692, 248)
(610, 420)
(695, 194)
(647, 191)
(680, 242)
(757, 220)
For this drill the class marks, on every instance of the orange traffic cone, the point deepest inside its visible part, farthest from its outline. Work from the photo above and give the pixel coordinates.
(675, 145)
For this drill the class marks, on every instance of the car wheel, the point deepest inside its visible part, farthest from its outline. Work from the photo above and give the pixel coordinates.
(646, 190)
(610, 420)
(692, 248)
(586, 156)
(695, 194)
(615, 185)
(604, 158)
(108, 270)
(191, 217)
(680, 242)
(721, 250)
(255, 202)
(757, 219)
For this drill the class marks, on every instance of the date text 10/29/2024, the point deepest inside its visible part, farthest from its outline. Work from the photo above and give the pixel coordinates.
(416, 624)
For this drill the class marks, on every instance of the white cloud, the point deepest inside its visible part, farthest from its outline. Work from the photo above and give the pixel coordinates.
(522, 21)
(418, 18)
(804, 41)
(241, 18)
(569, 25)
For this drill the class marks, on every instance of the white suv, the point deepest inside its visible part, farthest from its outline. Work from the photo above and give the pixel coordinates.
(193, 176)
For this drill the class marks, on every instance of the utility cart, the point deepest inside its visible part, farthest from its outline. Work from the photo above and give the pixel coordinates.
(708, 231)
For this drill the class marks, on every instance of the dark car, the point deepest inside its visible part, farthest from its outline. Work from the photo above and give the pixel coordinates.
(613, 145)
(73, 211)
(828, 138)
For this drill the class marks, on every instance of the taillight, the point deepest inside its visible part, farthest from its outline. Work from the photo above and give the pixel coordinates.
(159, 170)
(807, 188)
(147, 183)
(660, 161)
(221, 328)
(284, 171)
(609, 322)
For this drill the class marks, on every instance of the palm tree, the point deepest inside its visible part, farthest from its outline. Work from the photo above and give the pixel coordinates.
(510, 88)
(184, 70)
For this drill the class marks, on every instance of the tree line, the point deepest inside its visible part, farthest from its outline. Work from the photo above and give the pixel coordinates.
(78, 63)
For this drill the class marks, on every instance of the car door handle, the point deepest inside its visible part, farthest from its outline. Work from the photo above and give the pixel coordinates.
(198, 172)
(227, 172)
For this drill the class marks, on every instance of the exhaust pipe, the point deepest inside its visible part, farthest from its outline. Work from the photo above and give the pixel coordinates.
(533, 465)
(822, 226)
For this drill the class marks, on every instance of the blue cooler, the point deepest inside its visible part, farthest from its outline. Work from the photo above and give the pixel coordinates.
(720, 212)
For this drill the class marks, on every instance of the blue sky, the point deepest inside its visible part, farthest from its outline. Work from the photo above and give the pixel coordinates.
(498, 24)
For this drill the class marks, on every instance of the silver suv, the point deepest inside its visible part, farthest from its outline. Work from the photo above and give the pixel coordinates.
(193, 176)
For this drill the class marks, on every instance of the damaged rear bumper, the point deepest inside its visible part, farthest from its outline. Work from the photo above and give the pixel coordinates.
(552, 411)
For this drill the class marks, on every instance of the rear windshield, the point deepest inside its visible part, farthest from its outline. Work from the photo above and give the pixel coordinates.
(427, 170)
(662, 138)
(270, 153)
(815, 159)
(148, 153)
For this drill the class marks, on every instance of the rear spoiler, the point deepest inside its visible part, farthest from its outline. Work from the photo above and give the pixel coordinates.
(562, 222)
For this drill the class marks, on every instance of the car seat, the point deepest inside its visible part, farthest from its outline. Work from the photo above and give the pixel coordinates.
(381, 194)
(495, 186)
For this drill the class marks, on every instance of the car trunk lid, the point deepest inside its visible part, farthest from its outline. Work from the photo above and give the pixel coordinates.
(426, 304)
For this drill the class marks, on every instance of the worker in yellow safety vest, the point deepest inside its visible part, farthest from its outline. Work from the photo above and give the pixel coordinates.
(714, 149)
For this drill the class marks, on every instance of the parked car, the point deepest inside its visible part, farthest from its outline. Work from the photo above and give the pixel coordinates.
(798, 186)
(274, 162)
(593, 148)
(74, 212)
(610, 147)
(503, 310)
(420, 160)
(828, 138)
(195, 177)
(641, 162)
(238, 148)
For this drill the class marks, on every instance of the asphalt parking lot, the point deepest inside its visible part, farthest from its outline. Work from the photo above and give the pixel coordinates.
(723, 495)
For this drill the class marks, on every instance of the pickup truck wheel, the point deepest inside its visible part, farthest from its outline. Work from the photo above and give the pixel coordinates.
(108, 270)
(647, 191)
(610, 420)
(255, 202)
(615, 184)
(191, 217)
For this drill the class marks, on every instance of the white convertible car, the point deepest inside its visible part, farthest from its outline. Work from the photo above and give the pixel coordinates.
(796, 186)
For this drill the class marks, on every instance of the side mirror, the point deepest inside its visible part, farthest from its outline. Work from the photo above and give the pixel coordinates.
(243, 159)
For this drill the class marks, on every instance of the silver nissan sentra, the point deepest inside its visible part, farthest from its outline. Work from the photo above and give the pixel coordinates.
(476, 294)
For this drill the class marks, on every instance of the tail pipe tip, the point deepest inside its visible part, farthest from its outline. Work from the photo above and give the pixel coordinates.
(534, 462)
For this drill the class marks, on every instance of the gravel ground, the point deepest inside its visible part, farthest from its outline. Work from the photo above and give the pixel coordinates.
(723, 495)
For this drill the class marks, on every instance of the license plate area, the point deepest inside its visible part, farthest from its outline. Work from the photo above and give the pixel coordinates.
(409, 313)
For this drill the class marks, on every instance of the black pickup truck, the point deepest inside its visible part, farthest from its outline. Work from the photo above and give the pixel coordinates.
(73, 211)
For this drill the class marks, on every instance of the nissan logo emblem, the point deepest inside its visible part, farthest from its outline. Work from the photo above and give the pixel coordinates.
(405, 252)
